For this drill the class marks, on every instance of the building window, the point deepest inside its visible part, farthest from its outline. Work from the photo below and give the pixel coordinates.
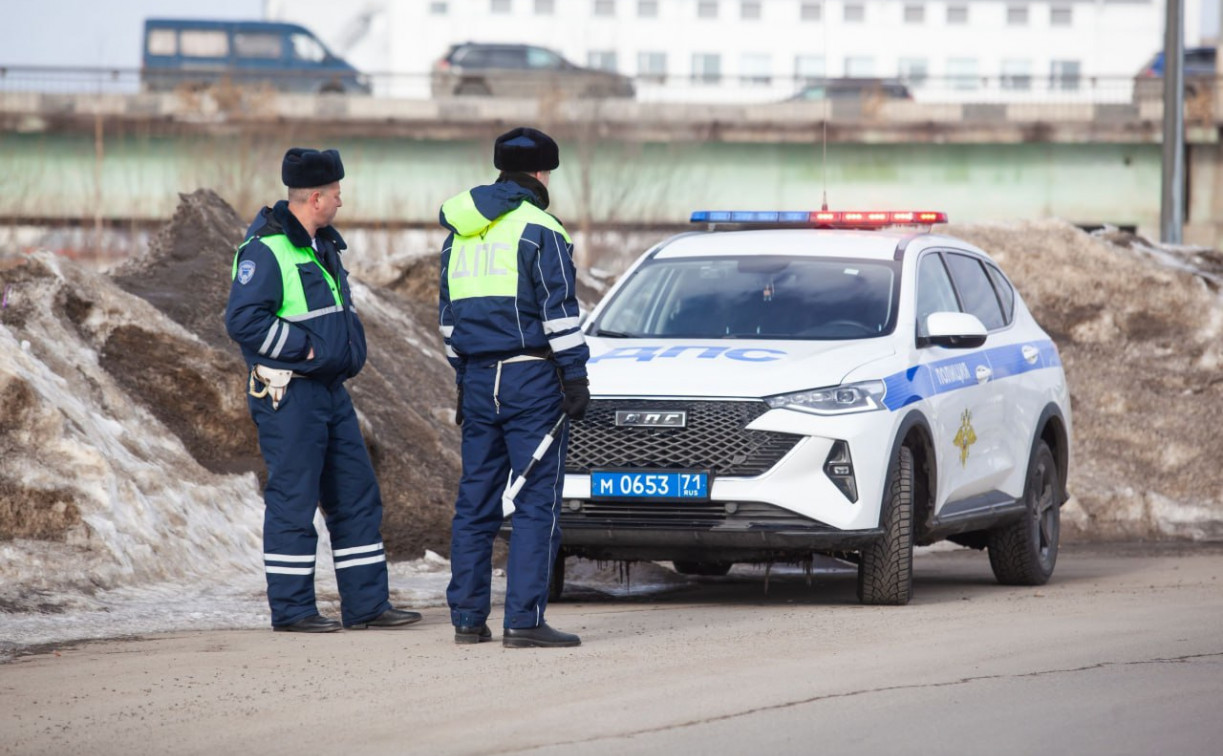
(913, 71)
(438, 9)
(1060, 16)
(811, 11)
(962, 73)
(603, 60)
(1017, 75)
(859, 65)
(957, 14)
(652, 66)
(500, 6)
(756, 69)
(915, 14)
(706, 68)
(808, 69)
(1064, 75)
(855, 13)
(545, 7)
(605, 7)
(707, 9)
(647, 8)
(749, 9)
(1016, 15)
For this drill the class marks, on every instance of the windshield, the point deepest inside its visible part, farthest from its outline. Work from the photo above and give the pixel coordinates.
(754, 298)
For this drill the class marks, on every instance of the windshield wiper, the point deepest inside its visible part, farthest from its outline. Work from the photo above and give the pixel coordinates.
(616, 334)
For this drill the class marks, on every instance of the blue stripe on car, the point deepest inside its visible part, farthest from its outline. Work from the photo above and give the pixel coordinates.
(924, 381)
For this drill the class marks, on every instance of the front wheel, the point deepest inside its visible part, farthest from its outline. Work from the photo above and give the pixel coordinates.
(1024, 552)
(885, 571)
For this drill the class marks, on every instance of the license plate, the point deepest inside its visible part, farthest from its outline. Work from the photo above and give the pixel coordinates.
(649, 484)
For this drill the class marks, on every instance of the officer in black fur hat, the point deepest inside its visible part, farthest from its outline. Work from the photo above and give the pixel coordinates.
(509, 319)
(291, 311)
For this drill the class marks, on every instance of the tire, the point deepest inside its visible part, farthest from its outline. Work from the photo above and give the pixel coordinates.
(556, 583)
(331, 87)
(1025, 552)
(474, 88)
(712, 569)
(885, 570)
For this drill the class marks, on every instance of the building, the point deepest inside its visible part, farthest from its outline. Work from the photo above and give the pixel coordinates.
(759, 50)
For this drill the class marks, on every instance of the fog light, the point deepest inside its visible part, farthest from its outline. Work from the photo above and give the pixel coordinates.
(575, 505)
(732, 507)
(839, 468)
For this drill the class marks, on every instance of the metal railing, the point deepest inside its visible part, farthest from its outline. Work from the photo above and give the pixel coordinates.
(1124, 97)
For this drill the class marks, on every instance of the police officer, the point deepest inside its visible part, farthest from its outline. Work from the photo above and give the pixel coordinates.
(508, 313)
(291, 311)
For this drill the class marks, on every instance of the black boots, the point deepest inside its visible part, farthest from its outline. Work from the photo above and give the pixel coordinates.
(389, 618)
(538, 637)
(315, 623)
(472, 633)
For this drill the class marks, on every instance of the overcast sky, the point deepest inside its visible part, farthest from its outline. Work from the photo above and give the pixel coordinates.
(102, 33)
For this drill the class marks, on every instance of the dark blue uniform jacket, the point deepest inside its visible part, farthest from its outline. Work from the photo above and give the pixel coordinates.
(337, 337)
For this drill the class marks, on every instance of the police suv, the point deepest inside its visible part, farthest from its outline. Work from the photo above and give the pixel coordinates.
(785, 384)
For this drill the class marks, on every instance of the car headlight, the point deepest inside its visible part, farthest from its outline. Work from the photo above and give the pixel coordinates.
(833, 400)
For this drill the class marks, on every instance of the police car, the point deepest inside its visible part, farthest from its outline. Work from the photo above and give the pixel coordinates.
(784, 384)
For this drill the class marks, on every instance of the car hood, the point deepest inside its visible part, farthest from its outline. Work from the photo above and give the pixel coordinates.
(722, 367)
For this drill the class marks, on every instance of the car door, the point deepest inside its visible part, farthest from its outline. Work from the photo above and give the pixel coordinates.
(968, 414)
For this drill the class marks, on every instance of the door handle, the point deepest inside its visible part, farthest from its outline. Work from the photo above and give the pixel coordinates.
(984, 373)
(1030, 354)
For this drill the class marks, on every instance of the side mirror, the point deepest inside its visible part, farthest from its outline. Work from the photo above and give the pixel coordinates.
(954, 330)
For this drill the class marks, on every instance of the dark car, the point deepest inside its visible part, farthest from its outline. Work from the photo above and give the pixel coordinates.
(505, 70)
(1199, 74)
(852, 89)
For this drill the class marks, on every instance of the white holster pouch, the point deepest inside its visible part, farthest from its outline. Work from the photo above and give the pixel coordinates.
(275, 383)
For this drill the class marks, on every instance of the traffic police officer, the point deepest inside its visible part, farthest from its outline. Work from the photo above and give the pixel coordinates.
(508, 313)
(291, 311)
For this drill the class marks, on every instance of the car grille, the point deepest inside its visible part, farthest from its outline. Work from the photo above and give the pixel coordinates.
(685, 515)
(716, 439)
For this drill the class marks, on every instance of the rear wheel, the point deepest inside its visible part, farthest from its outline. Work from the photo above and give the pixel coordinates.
(715, 569)
(885, 570)
(1025, 552)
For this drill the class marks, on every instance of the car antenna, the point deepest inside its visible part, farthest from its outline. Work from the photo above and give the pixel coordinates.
(827, 109)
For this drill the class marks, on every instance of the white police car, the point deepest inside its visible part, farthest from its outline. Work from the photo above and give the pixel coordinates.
(786, 384)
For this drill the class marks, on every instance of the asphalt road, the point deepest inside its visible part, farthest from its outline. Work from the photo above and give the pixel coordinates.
(1122, 653)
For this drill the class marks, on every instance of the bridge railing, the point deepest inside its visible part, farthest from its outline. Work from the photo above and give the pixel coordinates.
(1069, 98)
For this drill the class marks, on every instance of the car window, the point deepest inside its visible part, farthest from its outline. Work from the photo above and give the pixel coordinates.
(505, 57)
(975, 290)
(199, 43)
(257, 45)
(537, 57)
(1006, 294)
(934, 291)
(755, 297)
(308, 48)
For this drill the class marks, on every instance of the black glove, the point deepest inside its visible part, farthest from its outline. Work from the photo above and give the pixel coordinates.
(458, 407)
(577, 396)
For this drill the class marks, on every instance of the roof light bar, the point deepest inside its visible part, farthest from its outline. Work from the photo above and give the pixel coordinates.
(823, 218)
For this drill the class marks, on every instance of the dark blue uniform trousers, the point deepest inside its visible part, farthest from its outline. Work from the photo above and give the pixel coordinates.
(316, 457)
(496, 440)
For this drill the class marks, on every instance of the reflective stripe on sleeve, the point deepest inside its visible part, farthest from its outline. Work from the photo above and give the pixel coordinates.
(271, 337)
(280, 345)
(568, 341)
(560, 324)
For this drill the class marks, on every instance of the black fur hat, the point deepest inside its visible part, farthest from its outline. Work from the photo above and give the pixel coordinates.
(305, 168)
(527, 150)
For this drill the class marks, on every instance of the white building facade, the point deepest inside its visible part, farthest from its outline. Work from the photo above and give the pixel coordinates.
(753, 50)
